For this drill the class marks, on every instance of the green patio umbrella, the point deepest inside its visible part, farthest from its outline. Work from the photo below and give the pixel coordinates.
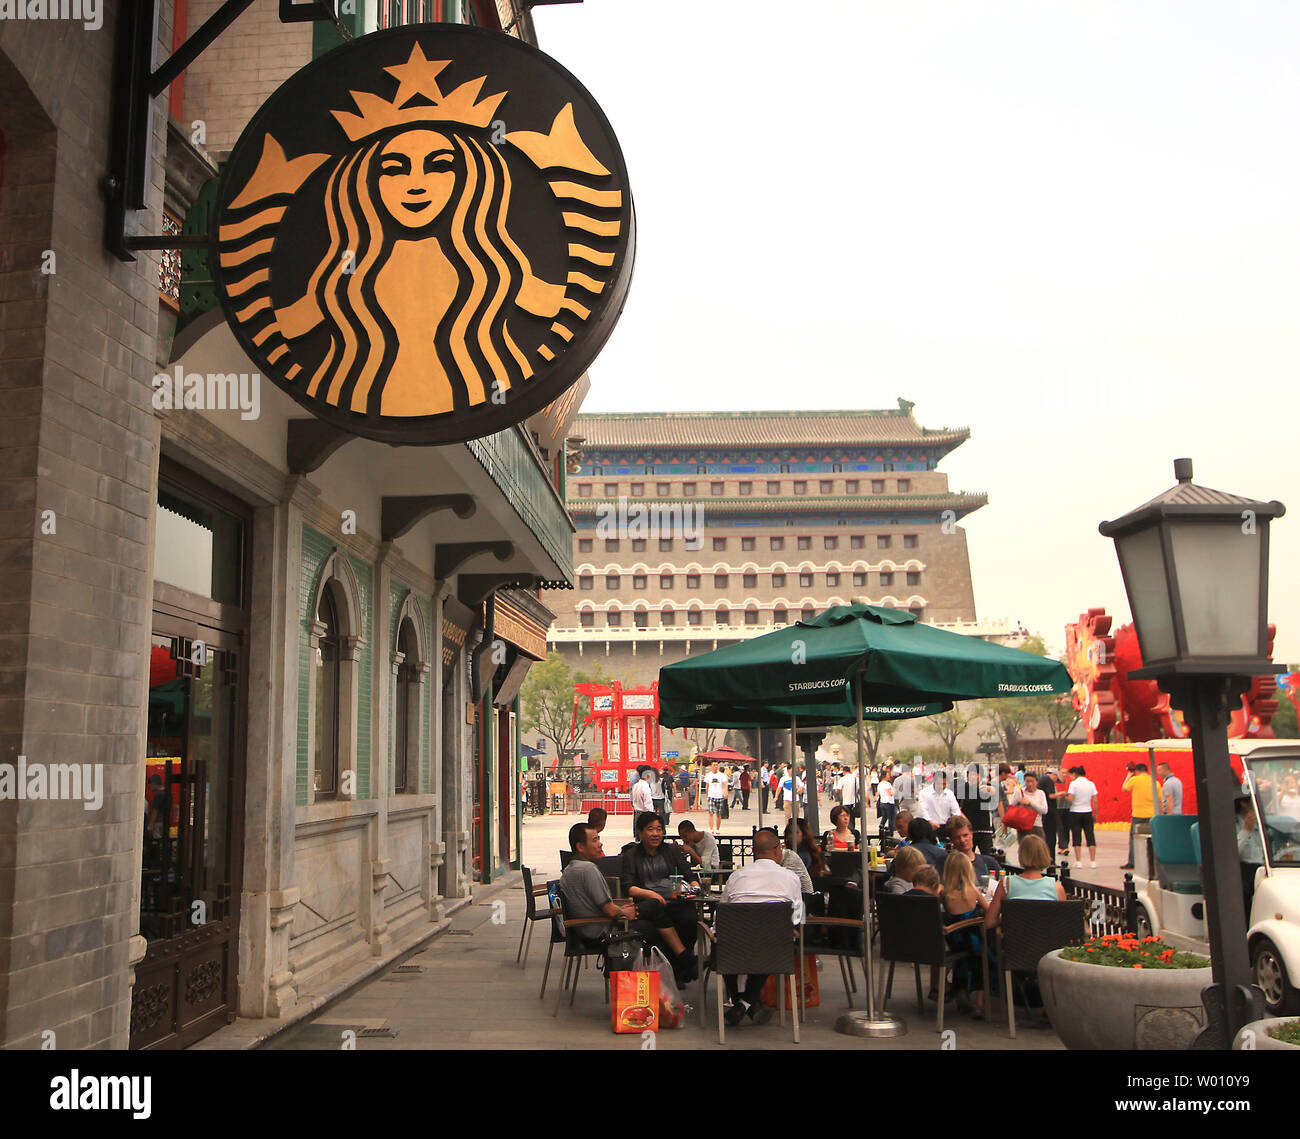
(807, 669)
(854, 661)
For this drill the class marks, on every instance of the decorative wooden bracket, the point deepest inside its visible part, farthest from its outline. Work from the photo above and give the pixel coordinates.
(450, 556)
(472, 588)
(309, 442)
(399, 512)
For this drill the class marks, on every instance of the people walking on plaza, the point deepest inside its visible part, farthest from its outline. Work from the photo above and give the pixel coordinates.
(886, 807)
(1143, 804)
(642, 799)
(905, 790)
(848, 788)
(715, 786)
(657, 794)
(1082, 796)
(1171, 798)
(764, 787)
(746, 783)
(1047, 785)
(648, 867)
(734, 783)
(1030, 796)
(763, 880)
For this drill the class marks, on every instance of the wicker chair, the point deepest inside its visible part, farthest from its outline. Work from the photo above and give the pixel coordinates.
(532, 891)
(752, 937)
(838, 934)
(912, 931)
(1031, 928)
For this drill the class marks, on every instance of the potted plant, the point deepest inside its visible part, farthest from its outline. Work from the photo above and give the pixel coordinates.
(1270, 1033)
(1122, 991)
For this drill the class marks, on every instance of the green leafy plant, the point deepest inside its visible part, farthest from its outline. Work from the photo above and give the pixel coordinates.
(1127, 951)
(1288, 1033)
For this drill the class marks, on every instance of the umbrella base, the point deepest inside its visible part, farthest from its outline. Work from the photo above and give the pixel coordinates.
(880, 1026)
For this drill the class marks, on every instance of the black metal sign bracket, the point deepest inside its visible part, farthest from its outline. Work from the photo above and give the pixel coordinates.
(136, 83)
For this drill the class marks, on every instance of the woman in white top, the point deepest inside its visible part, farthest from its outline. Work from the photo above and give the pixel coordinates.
(1082, 793)
(1031, 796)
(886, 808)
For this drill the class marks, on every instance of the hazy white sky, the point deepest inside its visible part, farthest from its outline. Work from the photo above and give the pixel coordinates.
(1071, 227)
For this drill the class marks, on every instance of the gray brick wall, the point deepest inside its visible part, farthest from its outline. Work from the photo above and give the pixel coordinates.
(233, 78)
(76, 357)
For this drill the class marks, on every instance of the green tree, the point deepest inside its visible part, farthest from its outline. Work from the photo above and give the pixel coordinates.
(948, 727)
(1284, 719)
(874, 733)
(546, 702)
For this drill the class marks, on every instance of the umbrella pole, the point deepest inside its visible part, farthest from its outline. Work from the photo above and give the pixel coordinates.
(758, 735)
(869, 1023)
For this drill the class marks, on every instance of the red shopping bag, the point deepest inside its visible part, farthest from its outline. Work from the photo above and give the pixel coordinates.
(812, 997)
(634, 1001)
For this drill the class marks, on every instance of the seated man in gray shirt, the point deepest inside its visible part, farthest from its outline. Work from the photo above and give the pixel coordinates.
(586, 893)
(699, 845)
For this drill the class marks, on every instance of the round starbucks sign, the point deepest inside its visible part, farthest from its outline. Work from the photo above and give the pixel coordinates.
(425, 235)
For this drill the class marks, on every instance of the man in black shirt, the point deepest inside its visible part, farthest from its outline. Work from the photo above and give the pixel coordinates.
(648, 869)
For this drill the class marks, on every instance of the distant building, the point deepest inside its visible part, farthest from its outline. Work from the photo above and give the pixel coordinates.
(699, 528)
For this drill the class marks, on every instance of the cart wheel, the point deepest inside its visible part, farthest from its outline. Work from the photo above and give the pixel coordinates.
(1280, 996)
(1143, 923)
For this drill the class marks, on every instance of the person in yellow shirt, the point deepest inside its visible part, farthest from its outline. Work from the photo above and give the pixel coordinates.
(1145, 791)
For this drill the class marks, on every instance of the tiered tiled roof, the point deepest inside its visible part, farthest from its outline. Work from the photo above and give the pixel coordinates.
(721, 429)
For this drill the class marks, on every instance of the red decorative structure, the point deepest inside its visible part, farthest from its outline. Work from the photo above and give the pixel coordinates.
(1116, 709)
(629, 730)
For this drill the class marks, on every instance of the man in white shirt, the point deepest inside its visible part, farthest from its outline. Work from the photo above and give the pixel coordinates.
(642, 798)
(763, 880)
(937, 803)
(905, 790)
(849, 791)
(764, 787)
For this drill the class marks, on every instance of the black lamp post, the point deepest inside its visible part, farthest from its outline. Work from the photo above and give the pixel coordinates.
(1195, 566)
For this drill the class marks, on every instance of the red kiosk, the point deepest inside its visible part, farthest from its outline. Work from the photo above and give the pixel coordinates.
(629, 738)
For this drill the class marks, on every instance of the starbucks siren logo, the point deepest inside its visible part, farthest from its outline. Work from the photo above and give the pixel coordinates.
(425, 235)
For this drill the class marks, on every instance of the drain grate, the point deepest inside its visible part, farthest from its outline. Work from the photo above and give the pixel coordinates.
(374, 1033)
(460, 933)
(409, 969)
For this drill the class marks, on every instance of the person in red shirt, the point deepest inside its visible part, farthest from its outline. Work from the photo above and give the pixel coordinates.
(746, 783)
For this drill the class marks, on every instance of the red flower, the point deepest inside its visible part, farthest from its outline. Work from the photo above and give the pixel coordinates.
(1137, 966)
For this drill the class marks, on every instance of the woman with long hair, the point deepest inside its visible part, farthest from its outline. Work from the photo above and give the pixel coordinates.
(419, 278)
(799, 836)
(962, 902)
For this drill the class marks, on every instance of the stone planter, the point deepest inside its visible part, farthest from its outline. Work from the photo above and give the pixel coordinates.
(1104, 1006)
(1260, 1040)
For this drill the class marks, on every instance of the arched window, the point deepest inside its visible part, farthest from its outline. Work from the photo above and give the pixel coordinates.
(405, 741)
(328, 687)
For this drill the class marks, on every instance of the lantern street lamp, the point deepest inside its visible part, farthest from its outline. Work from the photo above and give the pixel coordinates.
(1195, 566)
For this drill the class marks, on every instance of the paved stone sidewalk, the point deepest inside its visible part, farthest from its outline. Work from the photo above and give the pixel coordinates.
(470, 994)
